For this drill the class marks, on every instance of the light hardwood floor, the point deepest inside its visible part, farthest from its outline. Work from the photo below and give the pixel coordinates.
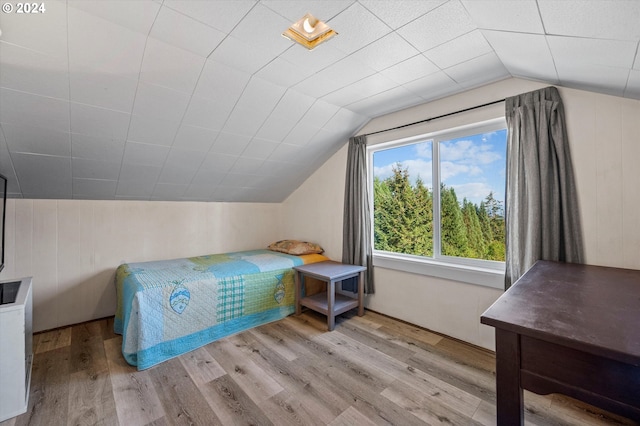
(369, 370)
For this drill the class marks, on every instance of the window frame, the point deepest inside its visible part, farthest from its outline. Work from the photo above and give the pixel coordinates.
(482, 272)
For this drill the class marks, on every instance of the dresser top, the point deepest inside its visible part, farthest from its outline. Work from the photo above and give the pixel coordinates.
(591, 308)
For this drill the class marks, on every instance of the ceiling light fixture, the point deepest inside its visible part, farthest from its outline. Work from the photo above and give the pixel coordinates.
(309, 31)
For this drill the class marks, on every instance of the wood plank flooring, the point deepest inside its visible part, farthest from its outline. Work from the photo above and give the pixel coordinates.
(370, 370)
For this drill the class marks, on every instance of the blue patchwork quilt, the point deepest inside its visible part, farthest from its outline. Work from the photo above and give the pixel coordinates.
(167, 308)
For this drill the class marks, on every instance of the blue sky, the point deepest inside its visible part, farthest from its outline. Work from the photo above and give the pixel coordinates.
(473, 165)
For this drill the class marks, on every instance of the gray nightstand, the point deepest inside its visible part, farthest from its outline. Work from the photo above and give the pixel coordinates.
(329, 303)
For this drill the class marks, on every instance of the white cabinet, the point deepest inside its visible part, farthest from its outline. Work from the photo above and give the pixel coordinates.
(16, 349)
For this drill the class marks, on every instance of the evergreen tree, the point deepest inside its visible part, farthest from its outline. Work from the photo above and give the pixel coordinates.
(453, 233)
(390, 210)
(404, 204)
(403, 220)
(485, 225)
(383, 216)
(495, 211)
(476, 244)
(423, 232)
(403, 215)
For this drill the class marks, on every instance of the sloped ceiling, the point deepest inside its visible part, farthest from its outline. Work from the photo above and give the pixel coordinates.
(205, 100)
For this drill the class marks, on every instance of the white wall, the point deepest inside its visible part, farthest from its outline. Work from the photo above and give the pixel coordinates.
(314, 211)
(604, 133)
(71, 248)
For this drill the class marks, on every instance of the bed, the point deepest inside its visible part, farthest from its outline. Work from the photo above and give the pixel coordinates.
(166, 308)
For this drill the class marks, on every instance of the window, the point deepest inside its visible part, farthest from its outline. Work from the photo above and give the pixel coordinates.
(438, 203)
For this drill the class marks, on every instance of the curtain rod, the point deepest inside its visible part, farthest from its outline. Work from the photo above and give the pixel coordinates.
(434, 118)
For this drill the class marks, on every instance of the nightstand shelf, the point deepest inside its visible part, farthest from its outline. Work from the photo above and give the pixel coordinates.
(329, 303)
(318, 302)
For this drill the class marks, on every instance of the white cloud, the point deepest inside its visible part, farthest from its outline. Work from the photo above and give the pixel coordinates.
(384, 172)
(420, 168)
(424, 150)
(455, 151)
(472, 191)
(450, 169)
(465, 151)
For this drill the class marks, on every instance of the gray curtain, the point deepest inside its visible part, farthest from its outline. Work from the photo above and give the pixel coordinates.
(356, 242)
(542, 220)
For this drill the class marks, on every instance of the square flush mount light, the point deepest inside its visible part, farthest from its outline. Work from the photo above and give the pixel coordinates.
(309, 31)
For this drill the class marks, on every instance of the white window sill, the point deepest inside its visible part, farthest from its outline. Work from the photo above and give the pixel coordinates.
(487, 277)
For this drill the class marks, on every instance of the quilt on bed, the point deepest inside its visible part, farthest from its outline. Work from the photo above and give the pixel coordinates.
(167, 308)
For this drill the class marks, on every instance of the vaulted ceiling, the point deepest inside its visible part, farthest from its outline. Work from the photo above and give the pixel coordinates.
(205, 100)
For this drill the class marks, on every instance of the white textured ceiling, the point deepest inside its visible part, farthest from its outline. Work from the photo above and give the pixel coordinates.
(205, 100)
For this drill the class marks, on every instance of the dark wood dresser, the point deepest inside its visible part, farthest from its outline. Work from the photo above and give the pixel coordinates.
(570, 329)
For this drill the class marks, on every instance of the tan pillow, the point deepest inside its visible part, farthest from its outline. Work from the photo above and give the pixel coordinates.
(295, 247)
